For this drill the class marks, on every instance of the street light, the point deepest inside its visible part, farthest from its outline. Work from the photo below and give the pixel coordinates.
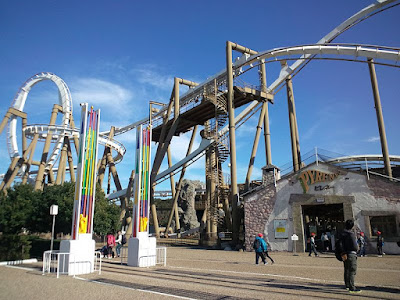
(53, 212)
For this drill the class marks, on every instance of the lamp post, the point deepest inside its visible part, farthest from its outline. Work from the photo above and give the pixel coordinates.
(53, 212)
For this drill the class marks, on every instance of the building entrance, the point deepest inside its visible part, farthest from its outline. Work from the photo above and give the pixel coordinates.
(320, 219)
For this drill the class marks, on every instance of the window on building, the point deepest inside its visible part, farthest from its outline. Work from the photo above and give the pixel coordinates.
(384, 224)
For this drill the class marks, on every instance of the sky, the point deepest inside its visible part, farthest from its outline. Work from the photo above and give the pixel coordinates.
(119, 55)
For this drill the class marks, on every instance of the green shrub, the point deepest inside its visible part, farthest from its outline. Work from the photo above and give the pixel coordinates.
(14, 247)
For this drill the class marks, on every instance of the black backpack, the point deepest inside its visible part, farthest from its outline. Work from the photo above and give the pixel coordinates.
(256, 244)
(339, 249)
(123, 240)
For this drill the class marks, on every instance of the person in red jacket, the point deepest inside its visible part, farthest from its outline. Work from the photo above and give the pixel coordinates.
(110, 244)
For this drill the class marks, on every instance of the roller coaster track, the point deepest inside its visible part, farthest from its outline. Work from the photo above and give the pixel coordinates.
(18, 103)
(322, 49)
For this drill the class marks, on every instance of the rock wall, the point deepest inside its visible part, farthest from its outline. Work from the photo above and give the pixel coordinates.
(257, 209)
(186, 207)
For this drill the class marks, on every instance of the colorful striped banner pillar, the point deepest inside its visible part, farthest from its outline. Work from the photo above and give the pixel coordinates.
(85, 187)
(141, 207)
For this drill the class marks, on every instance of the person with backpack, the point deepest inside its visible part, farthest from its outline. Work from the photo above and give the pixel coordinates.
(260, 247)
(118, 242)
(110, 244)
(347, 245)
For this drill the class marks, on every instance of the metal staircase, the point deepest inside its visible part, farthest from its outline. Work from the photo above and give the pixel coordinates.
(219, 152)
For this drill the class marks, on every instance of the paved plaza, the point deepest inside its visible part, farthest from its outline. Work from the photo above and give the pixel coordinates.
(210, 274)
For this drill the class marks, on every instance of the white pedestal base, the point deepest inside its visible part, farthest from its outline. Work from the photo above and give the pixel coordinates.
(142, 251)
(81, 258)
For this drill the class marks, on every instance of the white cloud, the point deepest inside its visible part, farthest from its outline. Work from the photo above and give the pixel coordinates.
(373, 139)
(309, 134)
(147, 74)
(106, 95)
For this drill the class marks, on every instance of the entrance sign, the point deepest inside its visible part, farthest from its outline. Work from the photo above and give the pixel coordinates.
(280, 229)
(294, 237)
(309, 177)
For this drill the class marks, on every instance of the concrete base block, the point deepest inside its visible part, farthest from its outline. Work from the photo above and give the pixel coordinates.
(81, 255)
(142, 251)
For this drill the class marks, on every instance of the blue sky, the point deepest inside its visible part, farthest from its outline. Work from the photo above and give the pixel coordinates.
(118, 55)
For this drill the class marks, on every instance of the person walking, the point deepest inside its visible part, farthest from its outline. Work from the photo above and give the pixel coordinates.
(349, 256)
(260, 246)
(267, 255)
(361, 244)
(118, 242)
(379, 243)
(312, 245)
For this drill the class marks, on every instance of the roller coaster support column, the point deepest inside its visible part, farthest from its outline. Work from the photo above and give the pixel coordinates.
(179, 185)
(255, 145)
(76, 140)
(293, 125)
(40, 175)
(267, 134)
(29, 163)
(103, 161)
(63, 163)
(24, 123)
(232, 142)
(16, 165)
(70, 162)
(175, 204)
(379, 116)
(11, 111)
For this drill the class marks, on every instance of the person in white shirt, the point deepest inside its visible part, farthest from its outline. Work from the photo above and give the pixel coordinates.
(118, 241)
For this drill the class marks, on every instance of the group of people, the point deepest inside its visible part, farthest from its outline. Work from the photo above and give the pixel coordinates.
(350, 248)
(113, 241)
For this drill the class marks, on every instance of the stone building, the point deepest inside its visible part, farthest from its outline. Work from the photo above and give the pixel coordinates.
(318, 199)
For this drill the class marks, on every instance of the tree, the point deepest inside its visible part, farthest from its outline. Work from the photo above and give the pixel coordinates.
(61, 195)
(25, 208)
(106, 214)
(16, 208)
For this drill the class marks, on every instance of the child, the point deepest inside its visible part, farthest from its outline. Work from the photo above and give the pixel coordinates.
(312, 245)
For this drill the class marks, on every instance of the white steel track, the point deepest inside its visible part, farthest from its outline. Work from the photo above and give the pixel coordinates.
(18, 103)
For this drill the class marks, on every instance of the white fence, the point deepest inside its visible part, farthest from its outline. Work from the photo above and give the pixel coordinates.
(161, 256)
(57, 262)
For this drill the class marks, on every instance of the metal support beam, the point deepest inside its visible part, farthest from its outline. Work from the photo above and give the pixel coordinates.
(103, 161)
(175, 204)
(255, 145)
(379, 116)
(70, 162)
(29, 163)
(24, 143)
(16, 164)
(62, 165)
(267, 134)
(41, 172)
(293, 125)
(232, 141)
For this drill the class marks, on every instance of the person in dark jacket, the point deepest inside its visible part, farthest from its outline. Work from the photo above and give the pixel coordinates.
(349, 256)
(379, 243)
(260, 246)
